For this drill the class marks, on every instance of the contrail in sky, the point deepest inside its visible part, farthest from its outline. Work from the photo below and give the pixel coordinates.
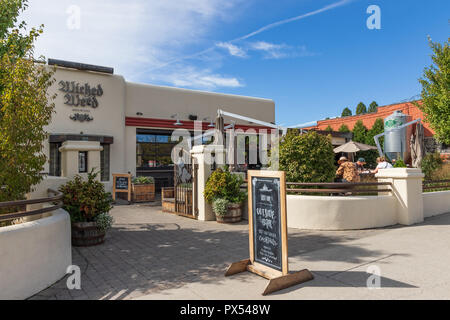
(262, 29)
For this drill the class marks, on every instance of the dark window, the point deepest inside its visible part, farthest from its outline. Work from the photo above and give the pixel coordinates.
(154, 150)
(55, 160)
(82, 161)
(104, 162)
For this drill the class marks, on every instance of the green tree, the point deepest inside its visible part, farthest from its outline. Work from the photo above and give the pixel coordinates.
(25, 107)
(329, 128)
(373, 107)
(344, 128)
(307, 158)
(377, 128)
(371, 155)
(361, 108)
(436, 91)
(359, 132)
(346, 112)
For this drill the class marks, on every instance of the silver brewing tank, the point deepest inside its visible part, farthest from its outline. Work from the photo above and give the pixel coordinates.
(395, 143)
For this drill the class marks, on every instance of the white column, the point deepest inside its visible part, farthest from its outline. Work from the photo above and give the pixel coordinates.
(204, 159)
(407, 188)
(69, 156)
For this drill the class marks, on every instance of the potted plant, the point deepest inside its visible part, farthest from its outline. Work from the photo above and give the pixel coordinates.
(223, 191)
(88, 205)
(143, 189)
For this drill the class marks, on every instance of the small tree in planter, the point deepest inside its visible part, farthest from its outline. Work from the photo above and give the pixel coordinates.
(223, 191)
(88, 205)
(143, 189)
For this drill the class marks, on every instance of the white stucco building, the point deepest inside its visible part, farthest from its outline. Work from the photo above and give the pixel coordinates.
(102, 120)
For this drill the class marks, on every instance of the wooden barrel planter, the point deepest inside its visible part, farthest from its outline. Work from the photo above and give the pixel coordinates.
(233, 215)
(86, 234)
(143, 192)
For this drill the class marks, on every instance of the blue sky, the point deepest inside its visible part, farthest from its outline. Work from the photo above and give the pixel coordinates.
(312, 66)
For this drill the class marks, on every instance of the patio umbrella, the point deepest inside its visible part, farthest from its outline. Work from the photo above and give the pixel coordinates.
(353, 146)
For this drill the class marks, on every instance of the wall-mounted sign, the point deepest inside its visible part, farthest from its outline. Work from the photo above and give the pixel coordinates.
(121, 183)
(81, 117)
(80, 95)
(267, 222)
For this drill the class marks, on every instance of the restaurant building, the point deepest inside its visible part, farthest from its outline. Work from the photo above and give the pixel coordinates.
(103, 121)
(368, 119)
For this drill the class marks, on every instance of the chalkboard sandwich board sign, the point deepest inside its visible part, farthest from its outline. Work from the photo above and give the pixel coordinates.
(122, 183)
(267, 221)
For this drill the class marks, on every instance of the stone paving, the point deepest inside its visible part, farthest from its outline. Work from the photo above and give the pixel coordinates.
(148, 251)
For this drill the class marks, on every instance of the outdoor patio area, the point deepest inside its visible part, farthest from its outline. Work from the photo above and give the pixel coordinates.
(149, 254)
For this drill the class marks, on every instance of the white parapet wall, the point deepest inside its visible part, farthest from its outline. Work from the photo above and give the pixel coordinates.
(341, 213)
(435, 203)
(34, 255)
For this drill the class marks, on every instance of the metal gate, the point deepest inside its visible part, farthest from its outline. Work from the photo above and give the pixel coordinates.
(185, 189)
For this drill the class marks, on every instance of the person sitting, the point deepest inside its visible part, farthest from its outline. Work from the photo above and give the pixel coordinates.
(360, 165)
(382, 164)
(347, 170)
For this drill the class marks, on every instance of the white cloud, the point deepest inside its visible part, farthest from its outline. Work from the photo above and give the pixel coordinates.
(131, 36)
(232, 49)
(192, 77)
(279, 51)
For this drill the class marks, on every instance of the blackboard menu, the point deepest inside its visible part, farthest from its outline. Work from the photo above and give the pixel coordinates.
(122, 183)
(266, 215)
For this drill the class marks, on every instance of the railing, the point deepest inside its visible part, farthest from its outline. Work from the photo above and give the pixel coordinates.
(57, 197)
(335, 187)
(436, 185)
(344, 188)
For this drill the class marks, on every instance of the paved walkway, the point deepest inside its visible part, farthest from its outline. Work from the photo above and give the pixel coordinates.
(153, 255)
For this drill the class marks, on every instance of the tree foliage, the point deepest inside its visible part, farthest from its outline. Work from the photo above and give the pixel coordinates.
(377, 128)
(346, 112)
(431, 163)
(25, 107)
(359, 132)
(436, 91)
(373, 107)
(361, 108)
(344, 128)
(307, 157)
(329, 128)
(371, 155)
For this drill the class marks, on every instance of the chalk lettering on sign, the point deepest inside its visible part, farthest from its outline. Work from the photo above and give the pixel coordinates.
(267, 221)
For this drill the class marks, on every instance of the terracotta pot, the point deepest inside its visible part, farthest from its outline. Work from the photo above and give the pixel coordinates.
(233, 215)
(86, 234)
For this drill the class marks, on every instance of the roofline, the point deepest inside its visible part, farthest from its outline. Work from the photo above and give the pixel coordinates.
(200, 91)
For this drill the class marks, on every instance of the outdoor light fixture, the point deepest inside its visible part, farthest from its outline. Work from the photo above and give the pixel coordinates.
(139, 114)
(175, 116)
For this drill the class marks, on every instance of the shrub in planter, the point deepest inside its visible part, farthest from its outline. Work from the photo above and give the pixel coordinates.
(88, 205)
(399, 164)
(223, 191)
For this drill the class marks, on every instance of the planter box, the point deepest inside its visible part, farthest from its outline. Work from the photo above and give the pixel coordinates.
(168, 199)
(86, 234)
(142, 192)
(233, 215)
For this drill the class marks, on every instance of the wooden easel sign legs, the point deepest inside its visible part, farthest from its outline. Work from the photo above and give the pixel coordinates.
(267, 231)
(276, 282)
